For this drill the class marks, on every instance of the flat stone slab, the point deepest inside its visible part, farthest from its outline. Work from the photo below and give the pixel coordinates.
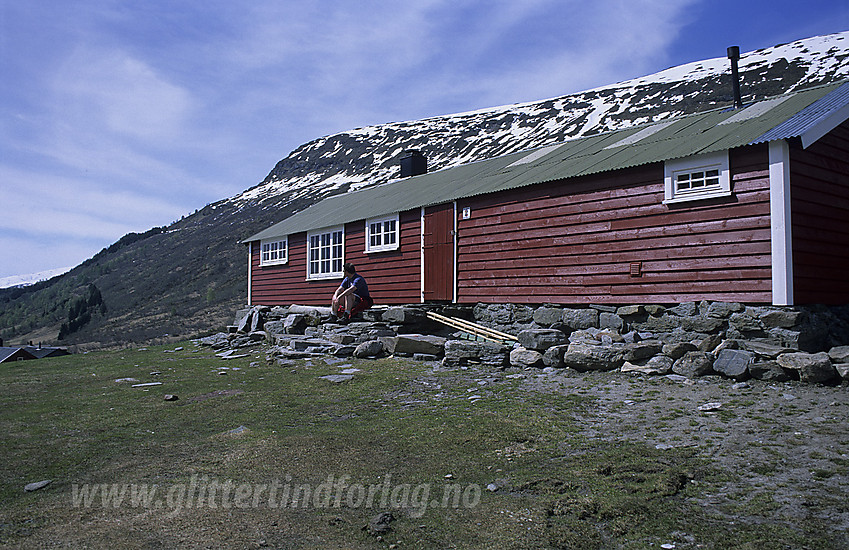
(146, 384)
(30, 487)
(338, 378)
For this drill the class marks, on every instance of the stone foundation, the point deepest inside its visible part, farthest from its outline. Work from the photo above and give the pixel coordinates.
(737, 341)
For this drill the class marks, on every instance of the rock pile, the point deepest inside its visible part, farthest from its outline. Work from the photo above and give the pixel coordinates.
(692, 339)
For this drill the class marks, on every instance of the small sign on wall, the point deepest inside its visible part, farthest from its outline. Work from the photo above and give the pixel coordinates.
(467, 213)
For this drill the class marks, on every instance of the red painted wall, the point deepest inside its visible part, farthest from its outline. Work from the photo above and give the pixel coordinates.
(393, 277)
(573, 242)
(819, 193)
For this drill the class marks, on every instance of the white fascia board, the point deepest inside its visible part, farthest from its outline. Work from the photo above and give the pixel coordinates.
(456, 287)
(250, 249)
(422, 257)
(824, 126)
(780, 223)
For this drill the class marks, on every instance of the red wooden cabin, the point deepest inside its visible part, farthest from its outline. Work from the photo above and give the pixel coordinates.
(748, 204)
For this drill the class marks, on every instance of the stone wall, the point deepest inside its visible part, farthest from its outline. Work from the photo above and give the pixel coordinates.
(809, 344)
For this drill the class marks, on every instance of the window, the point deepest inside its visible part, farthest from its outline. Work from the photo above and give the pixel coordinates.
(325, 254)
(697, 178)
(382, 234)
(274, 252)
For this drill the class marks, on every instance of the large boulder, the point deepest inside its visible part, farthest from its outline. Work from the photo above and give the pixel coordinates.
(659, 364)
(372, 348)
(676, 350)
(612, 321)
(734, 363)
(523, 358)
(295, 323)
(771, 371)
(639, 351)
(577, 319)
(584, 356)
(404, 316)
(547, 316)
(722, 310)
(839, 354)
(459, 353)
(812, 367)
(409, 344)
(274, 327)
(693, 364)
(553, 356)
(541, 339)
(780, 318)
(216, 341)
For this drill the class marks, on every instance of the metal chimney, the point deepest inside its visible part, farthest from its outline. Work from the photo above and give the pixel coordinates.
(734, 55)
(413, 163)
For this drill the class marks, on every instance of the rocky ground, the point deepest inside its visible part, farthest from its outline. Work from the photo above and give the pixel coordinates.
(786, 445)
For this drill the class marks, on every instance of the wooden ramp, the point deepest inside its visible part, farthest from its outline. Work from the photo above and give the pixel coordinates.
(474, 330)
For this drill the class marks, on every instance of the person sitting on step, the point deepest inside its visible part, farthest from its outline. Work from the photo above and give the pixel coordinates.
(352, 296)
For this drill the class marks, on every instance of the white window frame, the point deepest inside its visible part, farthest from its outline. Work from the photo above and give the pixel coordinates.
(710, 170)
(388, 229)
(325, 260)
(274, 251)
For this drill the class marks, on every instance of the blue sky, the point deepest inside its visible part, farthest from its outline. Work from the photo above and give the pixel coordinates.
(117, 116)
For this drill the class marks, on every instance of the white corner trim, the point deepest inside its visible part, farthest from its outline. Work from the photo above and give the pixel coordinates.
(780, 226)
(250, 249)
(456, 288)
(422, 257)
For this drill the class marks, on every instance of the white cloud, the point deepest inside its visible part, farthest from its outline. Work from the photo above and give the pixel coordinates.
(54, 206)
(121, 94)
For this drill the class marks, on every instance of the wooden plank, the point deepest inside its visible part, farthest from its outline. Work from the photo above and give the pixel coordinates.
(474, 328)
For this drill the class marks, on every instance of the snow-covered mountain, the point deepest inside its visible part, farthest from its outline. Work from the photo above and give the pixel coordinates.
(31, 278)
(191, 276)
(369, 156)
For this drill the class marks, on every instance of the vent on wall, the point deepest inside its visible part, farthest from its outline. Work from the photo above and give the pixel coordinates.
(636, 269)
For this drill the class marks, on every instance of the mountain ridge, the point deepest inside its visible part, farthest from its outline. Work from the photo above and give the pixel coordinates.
(189, 277)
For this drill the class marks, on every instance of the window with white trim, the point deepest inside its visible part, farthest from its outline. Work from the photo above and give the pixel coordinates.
(697, 178)
(382, 234)
(274, 252)
(325, 253)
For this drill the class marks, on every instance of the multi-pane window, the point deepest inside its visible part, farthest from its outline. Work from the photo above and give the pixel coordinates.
(696, 178)
(274, 252)
(693, 181)
(382, 234)
(325, 254)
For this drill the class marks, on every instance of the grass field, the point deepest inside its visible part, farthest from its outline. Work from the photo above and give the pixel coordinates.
(275, 456)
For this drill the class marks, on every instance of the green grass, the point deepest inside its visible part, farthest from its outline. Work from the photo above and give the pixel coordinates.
(401, 429)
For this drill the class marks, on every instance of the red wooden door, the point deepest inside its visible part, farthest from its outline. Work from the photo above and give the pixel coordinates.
(439, 252)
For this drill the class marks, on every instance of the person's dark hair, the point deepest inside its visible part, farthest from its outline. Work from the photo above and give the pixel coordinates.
(349, 268)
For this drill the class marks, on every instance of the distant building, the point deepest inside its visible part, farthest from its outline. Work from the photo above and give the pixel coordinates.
(40, 352)
(7, 355)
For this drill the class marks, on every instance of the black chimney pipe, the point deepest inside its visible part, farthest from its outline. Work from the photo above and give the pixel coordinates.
(413, 163)
(734, 55)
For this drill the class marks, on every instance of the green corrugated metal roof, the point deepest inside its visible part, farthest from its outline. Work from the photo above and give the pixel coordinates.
(689, 135)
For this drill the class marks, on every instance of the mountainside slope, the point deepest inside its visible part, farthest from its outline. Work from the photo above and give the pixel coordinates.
(191, 276)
